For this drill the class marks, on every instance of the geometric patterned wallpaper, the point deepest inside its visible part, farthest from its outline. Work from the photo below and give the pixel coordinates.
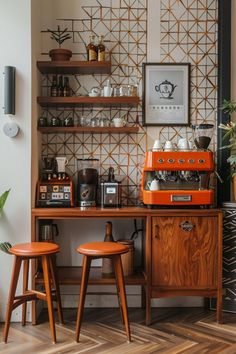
(188, 34)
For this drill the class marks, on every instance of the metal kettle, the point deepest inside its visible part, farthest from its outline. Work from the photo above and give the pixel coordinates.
(48, 232)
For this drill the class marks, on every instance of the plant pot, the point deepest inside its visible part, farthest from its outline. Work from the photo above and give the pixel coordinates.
(60, 54)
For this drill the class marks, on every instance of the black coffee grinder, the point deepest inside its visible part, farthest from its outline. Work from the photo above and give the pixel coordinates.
(202, 134)
(87, 182)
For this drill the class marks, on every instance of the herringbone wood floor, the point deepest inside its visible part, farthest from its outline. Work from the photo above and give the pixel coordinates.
(185, 331)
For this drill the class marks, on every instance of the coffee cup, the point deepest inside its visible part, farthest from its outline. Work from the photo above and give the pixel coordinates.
(168, 146)
(157, 145)
(153, 185)
(118, 122)
(183, 144)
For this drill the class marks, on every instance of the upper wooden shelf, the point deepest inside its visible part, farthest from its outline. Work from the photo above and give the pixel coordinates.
(74, 67)
(46, 101)
(53, 130)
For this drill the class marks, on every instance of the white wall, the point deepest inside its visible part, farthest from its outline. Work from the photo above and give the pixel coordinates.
(15, 154)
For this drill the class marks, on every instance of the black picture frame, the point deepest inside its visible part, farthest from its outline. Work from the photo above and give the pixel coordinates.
(166, 94)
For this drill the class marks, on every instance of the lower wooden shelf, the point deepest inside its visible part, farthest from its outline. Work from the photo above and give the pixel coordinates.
(72, 276)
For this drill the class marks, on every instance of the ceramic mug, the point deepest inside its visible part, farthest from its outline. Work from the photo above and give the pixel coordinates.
(168, 146)
(153, 185)
(119, 122)
(183, 144)
(157, 145)
(61, 164)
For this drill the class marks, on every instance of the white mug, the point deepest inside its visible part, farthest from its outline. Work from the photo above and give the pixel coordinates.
(157, 145)
(168, 146)
(183, 144)
(61, 164)
(119, 122)
(153, 185)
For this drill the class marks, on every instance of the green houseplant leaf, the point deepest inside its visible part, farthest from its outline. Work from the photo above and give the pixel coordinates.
(59, 35)
(3, 199)
(5, 246)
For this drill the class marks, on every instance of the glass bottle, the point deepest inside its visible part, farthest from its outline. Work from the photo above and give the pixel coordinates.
(91, 50)
(101, 49)
(60, 86)
(107, 265)
(54, 86)
(66, 87)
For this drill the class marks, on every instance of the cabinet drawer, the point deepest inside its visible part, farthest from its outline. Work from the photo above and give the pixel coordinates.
(184, 251)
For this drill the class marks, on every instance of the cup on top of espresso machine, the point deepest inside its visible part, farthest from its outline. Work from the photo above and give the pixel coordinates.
(87, 181)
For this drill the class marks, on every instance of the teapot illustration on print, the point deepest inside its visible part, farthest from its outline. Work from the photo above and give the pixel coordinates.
(165, 89)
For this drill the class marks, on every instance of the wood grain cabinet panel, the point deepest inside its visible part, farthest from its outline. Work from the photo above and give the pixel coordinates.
(184, 252)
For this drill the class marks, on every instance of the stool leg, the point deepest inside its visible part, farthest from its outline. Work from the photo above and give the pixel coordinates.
(83, 287)
(121, 285)
(25, 288)
(53, 268)
(47, 283)
(119, 299)
(11, 296)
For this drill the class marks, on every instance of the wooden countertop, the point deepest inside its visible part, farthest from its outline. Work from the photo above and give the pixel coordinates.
(97, 212)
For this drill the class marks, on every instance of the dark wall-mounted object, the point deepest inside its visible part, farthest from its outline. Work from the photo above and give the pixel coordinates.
(9, 89)
(224, 76)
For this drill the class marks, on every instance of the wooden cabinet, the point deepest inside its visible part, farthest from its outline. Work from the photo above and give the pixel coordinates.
(184, 252)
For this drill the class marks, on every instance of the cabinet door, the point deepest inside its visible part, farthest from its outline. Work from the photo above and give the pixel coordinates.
(184, 251)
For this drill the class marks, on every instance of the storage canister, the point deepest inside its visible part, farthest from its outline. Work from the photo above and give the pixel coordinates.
(127, 259)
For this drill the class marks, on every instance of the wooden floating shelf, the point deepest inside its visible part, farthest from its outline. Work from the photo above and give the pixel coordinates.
(72, 276)
(94, 130)
(74, 67)
(45, 101)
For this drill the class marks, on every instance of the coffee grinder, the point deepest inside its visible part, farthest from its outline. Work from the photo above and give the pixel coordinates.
(87, 182)
(202, 134)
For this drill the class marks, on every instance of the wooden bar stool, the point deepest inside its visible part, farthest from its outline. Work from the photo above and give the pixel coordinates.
(24, 252)
(96, 250)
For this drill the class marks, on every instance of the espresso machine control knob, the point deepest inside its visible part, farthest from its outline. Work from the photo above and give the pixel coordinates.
(171, 160)
(191, 161)
(181, 161)
(201, 161)
(160, 160)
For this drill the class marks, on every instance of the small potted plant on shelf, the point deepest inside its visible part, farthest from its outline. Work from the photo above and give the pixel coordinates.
(4, 246)
(229, 139)
(60, 36)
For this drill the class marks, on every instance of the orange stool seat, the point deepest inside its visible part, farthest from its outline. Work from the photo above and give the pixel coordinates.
(96, 250)
(101, 249)
(34, 249)
(23, 252)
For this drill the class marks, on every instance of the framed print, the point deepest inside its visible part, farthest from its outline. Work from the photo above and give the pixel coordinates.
(166, 94)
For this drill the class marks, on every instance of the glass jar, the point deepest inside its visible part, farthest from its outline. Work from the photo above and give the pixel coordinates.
(104, 122)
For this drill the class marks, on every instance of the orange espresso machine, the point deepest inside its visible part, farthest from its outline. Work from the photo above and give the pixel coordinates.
(178, 178)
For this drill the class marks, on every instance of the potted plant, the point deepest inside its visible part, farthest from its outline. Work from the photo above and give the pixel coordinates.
(229, 139)
(60, 36)
(4, 246)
